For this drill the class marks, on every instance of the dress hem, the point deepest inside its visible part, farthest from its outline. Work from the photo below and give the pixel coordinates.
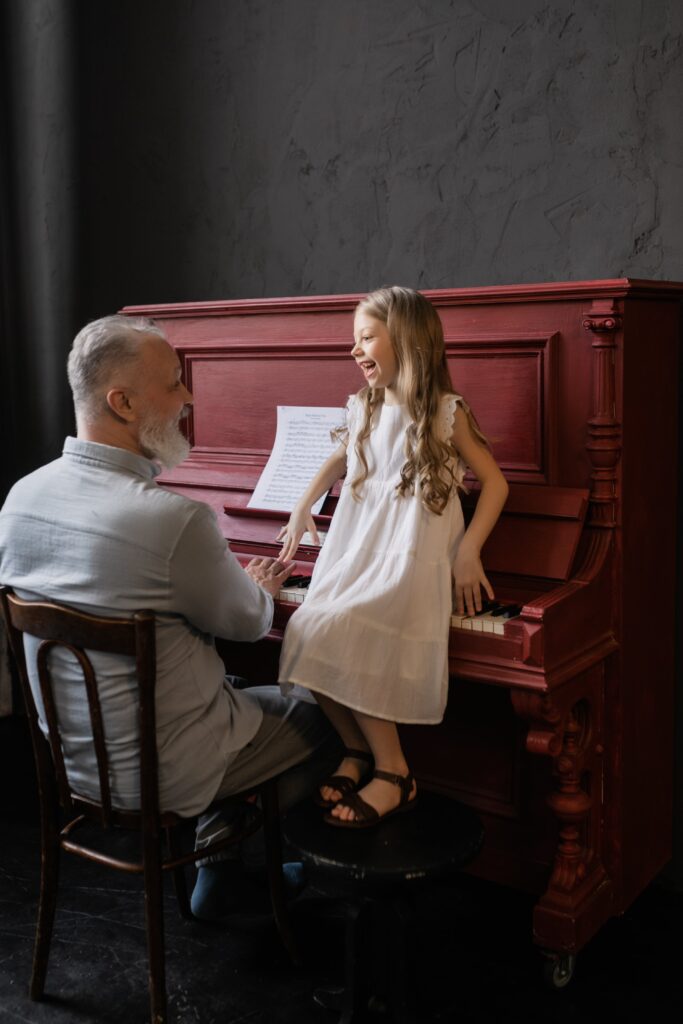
(364, 711)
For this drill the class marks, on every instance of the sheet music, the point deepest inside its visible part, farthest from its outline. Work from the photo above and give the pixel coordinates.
(302, 443)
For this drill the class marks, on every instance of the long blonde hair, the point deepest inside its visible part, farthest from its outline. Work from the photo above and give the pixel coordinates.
(416, 335)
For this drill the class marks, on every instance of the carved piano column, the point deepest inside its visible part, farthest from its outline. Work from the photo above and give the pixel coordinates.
(568, 729)
(571, 805)
(567, 726)
(604, 430)
(560, 733)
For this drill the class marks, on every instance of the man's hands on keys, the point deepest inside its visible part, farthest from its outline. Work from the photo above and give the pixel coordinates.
(269, 573)
(300, 522)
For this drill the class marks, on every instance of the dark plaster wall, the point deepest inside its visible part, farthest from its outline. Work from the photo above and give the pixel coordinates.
(259, 147)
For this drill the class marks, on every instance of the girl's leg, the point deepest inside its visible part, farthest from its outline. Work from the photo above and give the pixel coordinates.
(352, 737)
(382, 738)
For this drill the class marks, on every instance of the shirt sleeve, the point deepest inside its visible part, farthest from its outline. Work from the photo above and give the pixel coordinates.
(211, 589)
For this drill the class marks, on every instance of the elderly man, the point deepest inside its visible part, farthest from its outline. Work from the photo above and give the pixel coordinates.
(94, 530)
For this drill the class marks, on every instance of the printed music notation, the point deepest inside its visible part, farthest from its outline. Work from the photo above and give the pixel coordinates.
(302, 443)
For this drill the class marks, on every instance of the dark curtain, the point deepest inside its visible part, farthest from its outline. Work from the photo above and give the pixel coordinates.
(38, 229)
(101, 188)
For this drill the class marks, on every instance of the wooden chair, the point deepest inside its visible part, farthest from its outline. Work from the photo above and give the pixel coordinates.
(79, 633)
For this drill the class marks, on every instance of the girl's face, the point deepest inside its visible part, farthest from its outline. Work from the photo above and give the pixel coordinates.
(374, 353)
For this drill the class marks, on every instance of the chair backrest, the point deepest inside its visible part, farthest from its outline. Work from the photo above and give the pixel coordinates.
(59, 626)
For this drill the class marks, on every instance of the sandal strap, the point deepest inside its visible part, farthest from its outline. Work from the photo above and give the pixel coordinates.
(404, 782)
(342, 783)
(361, 808)
(358, 755)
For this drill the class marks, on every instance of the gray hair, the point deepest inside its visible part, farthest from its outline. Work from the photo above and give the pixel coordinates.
(100, 349)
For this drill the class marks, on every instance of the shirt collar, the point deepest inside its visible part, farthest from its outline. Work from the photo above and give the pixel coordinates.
(114, 458)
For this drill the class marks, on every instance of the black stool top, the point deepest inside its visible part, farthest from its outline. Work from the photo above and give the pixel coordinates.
(434, 839)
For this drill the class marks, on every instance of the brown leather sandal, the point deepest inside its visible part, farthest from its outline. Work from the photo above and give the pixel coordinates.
(344, 783)
(366, 815)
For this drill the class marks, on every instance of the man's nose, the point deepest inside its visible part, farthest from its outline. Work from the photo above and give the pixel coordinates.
(188, 396)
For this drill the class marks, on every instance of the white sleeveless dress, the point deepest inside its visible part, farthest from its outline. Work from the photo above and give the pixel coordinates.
(372, 633)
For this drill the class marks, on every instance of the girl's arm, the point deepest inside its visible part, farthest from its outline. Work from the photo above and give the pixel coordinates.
(301, 519)
(468, 571)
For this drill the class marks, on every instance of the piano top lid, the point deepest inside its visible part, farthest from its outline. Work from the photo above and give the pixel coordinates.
(620, 287)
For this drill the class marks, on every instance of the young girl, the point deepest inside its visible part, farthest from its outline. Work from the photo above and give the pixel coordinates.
(371, 639)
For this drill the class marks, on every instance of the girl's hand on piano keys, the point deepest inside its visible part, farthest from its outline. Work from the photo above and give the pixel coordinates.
(300, 522)
(469, 578)
(269, 573)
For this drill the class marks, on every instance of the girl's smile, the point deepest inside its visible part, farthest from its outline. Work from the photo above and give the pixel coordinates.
(374, 353)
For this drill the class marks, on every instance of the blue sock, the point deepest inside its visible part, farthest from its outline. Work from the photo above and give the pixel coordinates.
(223, 888)
(217, 890)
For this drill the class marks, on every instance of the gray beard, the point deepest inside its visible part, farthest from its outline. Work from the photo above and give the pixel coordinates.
(163, 441)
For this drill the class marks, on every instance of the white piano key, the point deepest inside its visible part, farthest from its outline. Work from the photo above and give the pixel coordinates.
(308, 539)
(292, 595)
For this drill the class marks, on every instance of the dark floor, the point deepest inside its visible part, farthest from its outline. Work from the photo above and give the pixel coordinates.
(473, 955)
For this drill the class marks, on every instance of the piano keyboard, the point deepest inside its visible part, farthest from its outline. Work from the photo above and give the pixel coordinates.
(295, 591)
(491, 619)
(307, 539)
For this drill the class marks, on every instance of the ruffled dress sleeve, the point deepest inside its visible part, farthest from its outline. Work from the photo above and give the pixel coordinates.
(449, 404)
(353, 413)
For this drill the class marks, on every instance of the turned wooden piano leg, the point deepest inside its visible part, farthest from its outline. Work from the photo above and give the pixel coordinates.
(567, 729)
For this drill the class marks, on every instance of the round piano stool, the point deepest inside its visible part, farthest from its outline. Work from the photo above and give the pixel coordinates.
(381, 871)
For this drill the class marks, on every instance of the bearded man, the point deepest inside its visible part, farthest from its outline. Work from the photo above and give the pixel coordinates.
(93, 530)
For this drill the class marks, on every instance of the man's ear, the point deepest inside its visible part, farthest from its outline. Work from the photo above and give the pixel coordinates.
(120, 404)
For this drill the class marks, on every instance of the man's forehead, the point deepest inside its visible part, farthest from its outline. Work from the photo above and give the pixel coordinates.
(157, 352)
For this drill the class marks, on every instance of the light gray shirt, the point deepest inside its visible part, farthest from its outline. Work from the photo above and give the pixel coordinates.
(94, 530)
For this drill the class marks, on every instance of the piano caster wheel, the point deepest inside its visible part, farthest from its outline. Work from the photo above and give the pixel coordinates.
(558, 971)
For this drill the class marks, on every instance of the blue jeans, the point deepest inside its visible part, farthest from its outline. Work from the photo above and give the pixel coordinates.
(295, 742)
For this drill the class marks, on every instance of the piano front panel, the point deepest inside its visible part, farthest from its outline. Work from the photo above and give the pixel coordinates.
(518, 415)
(226, 420)
(227, 360)
(478, 756)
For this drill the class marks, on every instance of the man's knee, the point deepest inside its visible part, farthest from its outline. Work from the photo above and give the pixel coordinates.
(304, 717)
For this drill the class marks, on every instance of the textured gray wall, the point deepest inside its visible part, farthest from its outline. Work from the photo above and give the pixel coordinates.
(311, 146)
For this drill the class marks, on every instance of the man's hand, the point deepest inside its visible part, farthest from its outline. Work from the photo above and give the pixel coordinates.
(269, 573)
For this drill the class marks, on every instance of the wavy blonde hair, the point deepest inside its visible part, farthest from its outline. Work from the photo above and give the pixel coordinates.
(417, 339)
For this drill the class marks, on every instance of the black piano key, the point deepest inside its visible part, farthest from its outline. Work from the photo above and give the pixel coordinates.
(506, 611)
(495, 608)
(297, 581)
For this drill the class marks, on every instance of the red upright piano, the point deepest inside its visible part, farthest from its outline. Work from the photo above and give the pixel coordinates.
(560, 731)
